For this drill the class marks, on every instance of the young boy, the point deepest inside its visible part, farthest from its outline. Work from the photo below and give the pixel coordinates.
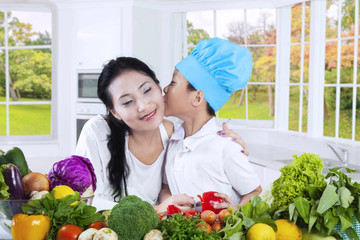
(198, 160)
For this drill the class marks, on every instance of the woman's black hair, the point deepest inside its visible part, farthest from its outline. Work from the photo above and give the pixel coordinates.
(209, 109)
(118, 169)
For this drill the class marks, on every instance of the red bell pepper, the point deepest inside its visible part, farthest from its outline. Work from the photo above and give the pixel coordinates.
(208, 200)
(172, 209)
(189, 213)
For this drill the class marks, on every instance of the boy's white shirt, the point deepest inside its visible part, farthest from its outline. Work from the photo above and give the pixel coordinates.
(206, 162)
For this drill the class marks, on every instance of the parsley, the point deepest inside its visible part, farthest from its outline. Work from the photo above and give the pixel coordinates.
(61, 212)
(182, 228)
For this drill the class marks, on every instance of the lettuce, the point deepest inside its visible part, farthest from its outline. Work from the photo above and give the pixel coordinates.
(304, 170)
(76, 172)
(3, 187)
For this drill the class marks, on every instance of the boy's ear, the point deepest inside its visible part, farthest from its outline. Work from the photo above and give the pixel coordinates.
(198, 98)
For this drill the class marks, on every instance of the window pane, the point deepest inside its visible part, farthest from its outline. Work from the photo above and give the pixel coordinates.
(307, 21)
(345, 118)
(30, 119)
(357, 126)
(230, 25)
(2, 120)
(329, 111)
(2, 29)
(306, 63)
(348, 20)
(2, 76)
(261, 102)
(294, 99)
(29, 28)
(30, 73)
(296, 21)
(261, 26)
(358, 63)
(264, 61)
(305, 109)
(332, 9)
(295, 56)
(330, 62)
(347, 61)
(235, 107)
(200, 25)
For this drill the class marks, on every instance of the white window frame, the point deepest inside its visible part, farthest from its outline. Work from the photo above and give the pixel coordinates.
(8, 103)
(338, 84)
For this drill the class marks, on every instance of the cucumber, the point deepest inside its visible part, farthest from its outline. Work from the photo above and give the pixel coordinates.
(16, 157)
(13, 179)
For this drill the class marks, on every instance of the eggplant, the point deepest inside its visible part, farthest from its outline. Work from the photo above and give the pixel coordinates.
(14, 181)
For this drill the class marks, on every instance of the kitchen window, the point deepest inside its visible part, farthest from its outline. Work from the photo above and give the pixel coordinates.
(255, 30)
(342, 77)
(299, 67)
(25, 72)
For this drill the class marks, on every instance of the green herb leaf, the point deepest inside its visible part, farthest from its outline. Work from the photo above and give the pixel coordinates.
(303, 207)
(328, 199)
(345, 197)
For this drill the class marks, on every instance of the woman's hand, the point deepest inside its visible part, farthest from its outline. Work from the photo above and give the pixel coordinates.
(226, 132)
(227, 202)
(182, 201)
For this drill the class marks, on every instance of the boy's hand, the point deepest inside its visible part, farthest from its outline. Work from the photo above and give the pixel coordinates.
(227, 202)
(226, 132)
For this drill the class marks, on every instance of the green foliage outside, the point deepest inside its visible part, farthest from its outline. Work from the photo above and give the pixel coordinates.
(29, 69)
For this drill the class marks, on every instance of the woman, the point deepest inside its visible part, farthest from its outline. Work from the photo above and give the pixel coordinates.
(127, 146)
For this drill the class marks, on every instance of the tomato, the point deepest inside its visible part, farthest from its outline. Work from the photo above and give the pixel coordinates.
(68, 232)
(216, 226)
(206, 227)
(223, 214)
(208, 216)
(189, 214)
(97, 225)
(172, 209)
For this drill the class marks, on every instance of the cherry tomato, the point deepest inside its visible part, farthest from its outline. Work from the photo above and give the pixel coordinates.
(216, 226)
(206, 228)
(208, 216)
(223, 214)
(98, 225)
(68, 232)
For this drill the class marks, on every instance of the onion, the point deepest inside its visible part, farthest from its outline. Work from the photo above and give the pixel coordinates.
(35, 181)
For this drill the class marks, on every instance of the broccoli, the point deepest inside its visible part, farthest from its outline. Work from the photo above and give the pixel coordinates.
(132, 218)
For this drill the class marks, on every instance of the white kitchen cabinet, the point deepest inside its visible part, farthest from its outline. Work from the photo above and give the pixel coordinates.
(98, 36)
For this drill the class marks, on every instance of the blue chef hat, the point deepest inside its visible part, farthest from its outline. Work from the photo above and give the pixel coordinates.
(218, 68)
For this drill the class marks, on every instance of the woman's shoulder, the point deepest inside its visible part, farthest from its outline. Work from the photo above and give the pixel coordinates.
(96, 123)
(169, 127)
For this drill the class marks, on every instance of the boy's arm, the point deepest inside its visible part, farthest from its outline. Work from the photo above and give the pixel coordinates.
(247, 197)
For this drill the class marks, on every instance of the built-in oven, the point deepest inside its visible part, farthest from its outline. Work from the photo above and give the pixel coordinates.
(87, 104)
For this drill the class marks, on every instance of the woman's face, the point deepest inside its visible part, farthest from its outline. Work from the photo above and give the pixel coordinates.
(177, 96)
(137, 101)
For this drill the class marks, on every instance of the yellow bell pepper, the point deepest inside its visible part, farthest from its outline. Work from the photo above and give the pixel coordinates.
(30, 227)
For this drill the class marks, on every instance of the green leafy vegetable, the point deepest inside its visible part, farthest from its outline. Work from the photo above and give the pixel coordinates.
(295, 178)
(61, 212)
(179, 227)
(3, 187)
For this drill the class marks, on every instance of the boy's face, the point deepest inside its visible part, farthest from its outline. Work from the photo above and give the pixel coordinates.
(177, 97)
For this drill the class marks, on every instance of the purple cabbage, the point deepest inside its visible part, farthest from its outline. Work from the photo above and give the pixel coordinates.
(76, 172)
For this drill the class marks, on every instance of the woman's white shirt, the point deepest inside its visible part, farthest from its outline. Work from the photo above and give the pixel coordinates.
(144, 181)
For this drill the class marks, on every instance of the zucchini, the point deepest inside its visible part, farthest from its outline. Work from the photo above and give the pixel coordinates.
(16, 157)
(13, 180)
